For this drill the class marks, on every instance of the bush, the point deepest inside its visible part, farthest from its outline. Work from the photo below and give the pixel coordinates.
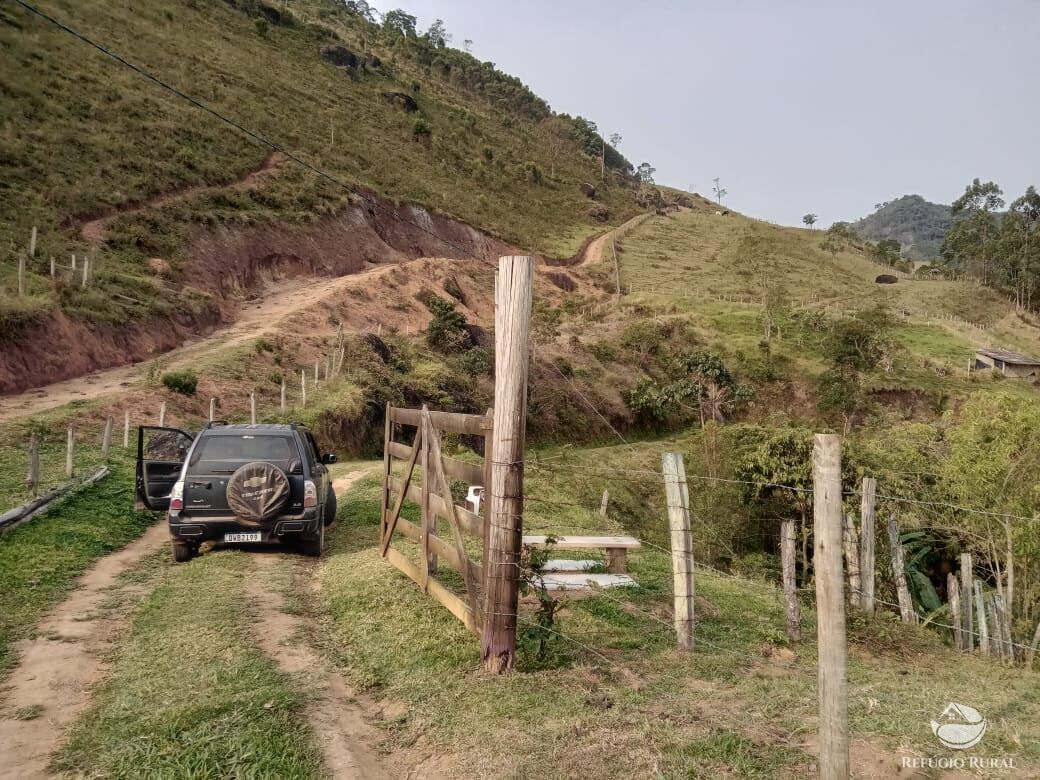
(532, 173)
(479, 361)
(447, 330)
(183, 382)
(421, 128)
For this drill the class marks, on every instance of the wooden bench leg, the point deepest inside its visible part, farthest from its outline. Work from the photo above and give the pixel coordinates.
(615, 559)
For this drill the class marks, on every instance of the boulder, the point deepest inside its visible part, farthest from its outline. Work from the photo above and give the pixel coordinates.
(599, 213)
(159, 266)
(340, 56)
(587, 189)
(403, 101)
(886, 279)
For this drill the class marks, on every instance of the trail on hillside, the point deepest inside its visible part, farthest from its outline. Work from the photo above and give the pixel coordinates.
(256, 318)
(93, 231)
(594, 251)
(58, 667)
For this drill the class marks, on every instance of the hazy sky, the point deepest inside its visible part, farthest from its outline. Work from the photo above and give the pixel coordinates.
(828, 106)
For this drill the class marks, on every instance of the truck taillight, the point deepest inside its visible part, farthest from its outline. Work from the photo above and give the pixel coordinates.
(310, 494)
(177, 497)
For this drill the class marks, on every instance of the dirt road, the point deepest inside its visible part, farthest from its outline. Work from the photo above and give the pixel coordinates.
(51, 685)
(256, 318)
(594, 251)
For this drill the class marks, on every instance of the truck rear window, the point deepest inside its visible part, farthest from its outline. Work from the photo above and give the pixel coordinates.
(219, 452)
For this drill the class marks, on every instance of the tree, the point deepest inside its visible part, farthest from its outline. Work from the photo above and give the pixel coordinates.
(646, 172)
(719, 192)
(400, 23)
(467, 45)
(810, 220)
(438, 35)
(360, 8)
(887, 251)
(615, 139)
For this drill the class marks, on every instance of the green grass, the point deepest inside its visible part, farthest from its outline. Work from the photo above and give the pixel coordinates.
(86, 135)
(41, 560)
(739, 705)
(190, 694)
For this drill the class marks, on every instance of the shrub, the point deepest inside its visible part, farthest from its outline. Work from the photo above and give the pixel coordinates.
(184, 382)
(479, 361)
(421, 128)
(447, 330)
(532, 172)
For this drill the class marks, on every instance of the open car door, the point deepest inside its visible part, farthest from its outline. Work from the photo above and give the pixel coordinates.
(160, 456)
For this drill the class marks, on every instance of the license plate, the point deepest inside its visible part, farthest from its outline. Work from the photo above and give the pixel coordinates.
(251, 536)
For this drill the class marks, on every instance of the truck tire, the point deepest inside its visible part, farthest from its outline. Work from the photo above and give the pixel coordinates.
(182, 552)
(329, 515)
(257, 492)
(316, 546)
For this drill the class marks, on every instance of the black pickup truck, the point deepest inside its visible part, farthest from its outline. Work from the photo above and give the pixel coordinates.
(236, 484)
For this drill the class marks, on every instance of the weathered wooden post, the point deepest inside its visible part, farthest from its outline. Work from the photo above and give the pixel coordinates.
(74, 262)
(212, 409)
(52, 266)
(303, 388)
(316, 374)
(328, 367)
(867, 544)
(126, 429)
(252, 407)
(953, 591)
(895, 544)
(788, 552)
(282, 398)
(506, 495)
(850, 541)
(21, 275)
(603, 503)
(70, 446)
(678, 501)
(86, 271)
(966, 601)
(980, 610)
(32, 242)
(106, 439)
(429, 518)
(32, 476)
(830, 607)
(162, 414)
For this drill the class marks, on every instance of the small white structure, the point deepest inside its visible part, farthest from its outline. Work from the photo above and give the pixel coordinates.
(473, 498)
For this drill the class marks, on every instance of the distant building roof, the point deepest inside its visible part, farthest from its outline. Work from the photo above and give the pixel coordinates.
(1003, 355)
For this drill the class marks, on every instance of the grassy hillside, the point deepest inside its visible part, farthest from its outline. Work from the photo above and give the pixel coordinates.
(85, 136)
(918, 226)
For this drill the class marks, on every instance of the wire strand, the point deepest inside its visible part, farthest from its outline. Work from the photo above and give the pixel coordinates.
(240, 127)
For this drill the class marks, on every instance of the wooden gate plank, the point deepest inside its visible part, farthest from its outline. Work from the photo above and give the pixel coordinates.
(391, 522)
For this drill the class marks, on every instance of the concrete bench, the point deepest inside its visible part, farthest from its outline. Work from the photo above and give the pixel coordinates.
(615, 548)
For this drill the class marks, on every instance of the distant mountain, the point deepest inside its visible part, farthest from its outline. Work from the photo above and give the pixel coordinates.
(918, 226)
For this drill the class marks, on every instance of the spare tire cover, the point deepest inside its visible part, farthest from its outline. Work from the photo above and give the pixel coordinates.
(257, 492)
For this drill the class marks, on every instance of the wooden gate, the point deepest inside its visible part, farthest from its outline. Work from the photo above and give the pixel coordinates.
(429, 488)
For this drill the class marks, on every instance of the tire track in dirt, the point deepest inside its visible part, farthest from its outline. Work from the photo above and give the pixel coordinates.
(59, 666)
(338, 721)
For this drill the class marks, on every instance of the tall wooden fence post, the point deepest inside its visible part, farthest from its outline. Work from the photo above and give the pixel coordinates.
(895, 545)
(967, 613)
(303, 388)
(429, 519)
(850, 541)
(252, 408)
(282, 397)
(830, 607)
(678, 501)
(21, 275)
(512, 328)
(788, 553)
(162, 414)
(106, 439)
(70, 446)
(980, 610)
(212, 409)
(603, 503)
(953, 589)
(32, 476)
(126, 429)
(867, 543)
